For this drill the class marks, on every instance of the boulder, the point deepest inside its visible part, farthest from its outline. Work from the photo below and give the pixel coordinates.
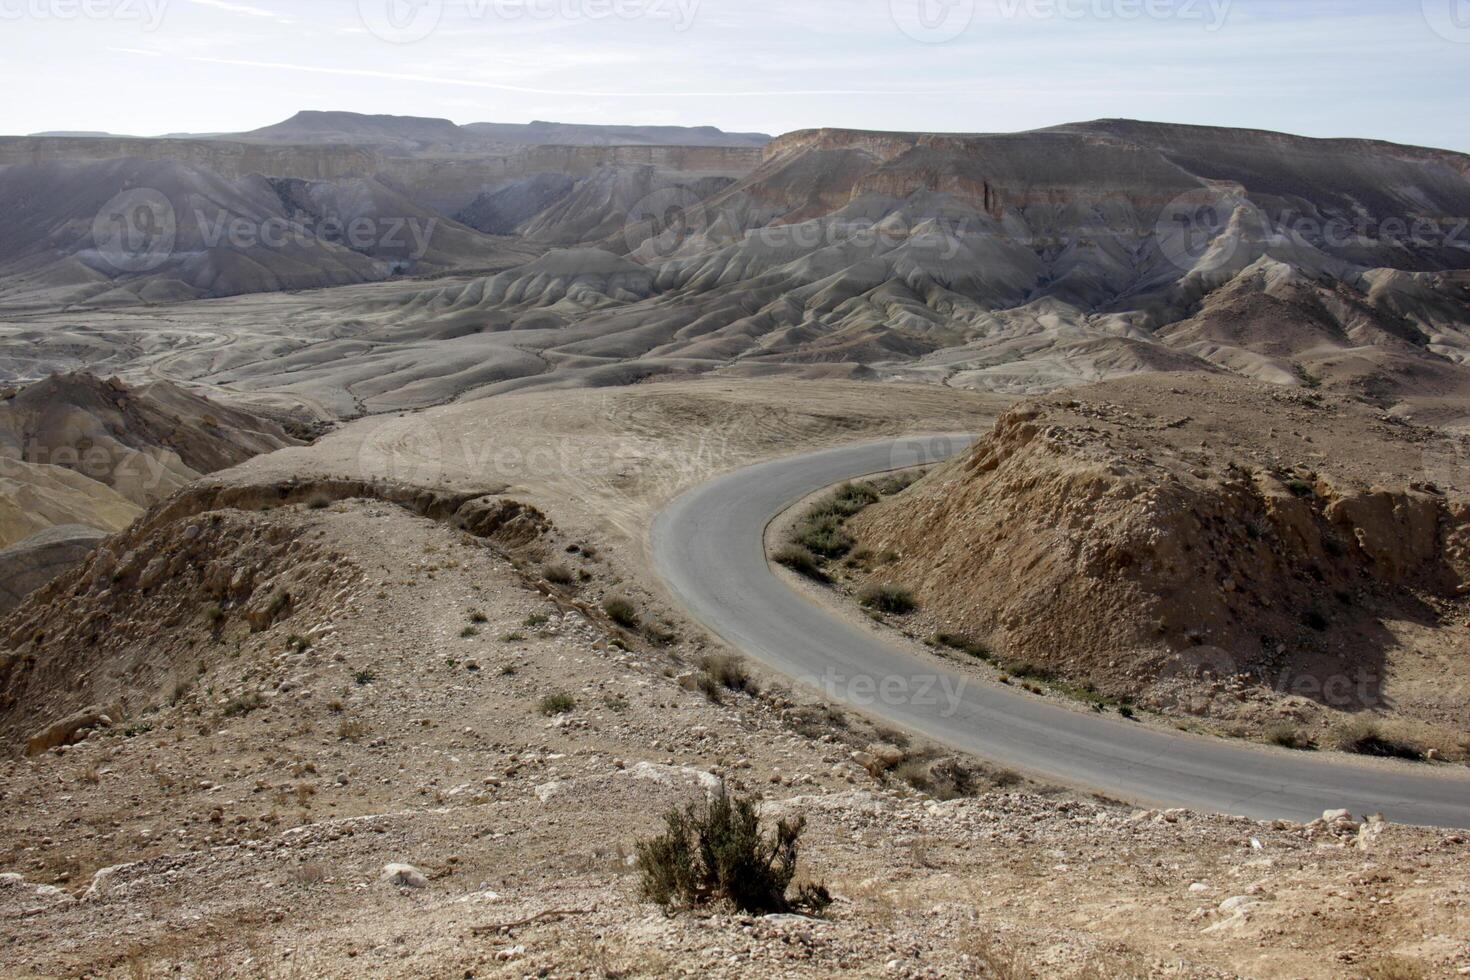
(404, 876)
(887, 755)
(71, 729)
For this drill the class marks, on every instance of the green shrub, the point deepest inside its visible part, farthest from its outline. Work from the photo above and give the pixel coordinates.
(801, 561)
(822, 535)
(560, 703)
(478, 618)
(622, 612)
(364, 677)
(854, 497)
(888, 598)
(715, 851)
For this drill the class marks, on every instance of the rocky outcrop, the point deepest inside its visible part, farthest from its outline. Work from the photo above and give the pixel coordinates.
(74, 727)
(1113, 546)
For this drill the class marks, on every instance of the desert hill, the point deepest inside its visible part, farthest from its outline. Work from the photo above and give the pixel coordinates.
(574, 134)
(357, 128)
(1163, 536)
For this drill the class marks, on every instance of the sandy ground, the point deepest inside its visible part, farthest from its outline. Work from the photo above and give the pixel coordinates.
(604, 461)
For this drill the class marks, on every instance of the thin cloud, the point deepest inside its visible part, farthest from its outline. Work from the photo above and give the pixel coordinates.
(526, 90)
(243, 9)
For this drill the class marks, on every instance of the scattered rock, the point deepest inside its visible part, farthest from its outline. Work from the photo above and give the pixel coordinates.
(404, 876)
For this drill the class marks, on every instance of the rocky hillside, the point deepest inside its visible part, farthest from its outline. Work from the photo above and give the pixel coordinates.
(1206, 546)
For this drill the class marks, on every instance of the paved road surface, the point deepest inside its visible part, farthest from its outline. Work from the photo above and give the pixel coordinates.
(708, 548)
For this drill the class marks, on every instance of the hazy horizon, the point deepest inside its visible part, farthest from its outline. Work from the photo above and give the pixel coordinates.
(1362, 68)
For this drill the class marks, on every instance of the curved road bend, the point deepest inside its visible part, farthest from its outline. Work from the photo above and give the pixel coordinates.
(708, 547)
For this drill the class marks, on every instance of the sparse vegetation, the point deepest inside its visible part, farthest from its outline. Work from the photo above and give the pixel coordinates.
(727, 671)
(244, 704)
(622, 612)
(351, 729)
(963, 644)
(801, 561)
(715, 851)
(364, 677)
(1307, 378)
(819, 535)
(558, 574)
(560, 703)
(822, 534)
(1287, 736)
(1363, 736)
(513, 638)
(887, 598)
(537, 620)
(478, 618)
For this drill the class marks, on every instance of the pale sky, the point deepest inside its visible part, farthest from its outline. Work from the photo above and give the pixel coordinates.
(1386, 69)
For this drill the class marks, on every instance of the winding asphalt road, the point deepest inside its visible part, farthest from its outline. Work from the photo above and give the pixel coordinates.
(708, 547)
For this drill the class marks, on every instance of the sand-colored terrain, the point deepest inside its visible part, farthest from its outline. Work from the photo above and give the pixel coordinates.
(267, 761)
(1214, 549)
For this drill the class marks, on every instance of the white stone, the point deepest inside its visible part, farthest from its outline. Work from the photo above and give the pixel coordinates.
(404, 876)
